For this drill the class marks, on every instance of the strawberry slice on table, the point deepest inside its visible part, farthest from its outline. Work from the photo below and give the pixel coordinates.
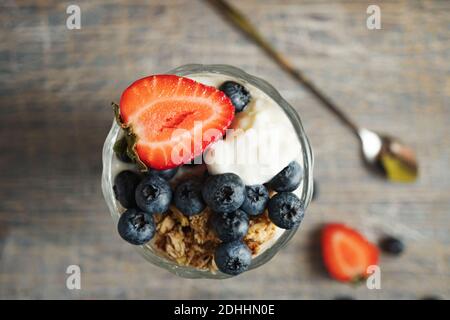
(346, 253)
(172, 119)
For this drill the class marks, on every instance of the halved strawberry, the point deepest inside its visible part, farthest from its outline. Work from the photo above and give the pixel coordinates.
(346, 253)
(173, 119)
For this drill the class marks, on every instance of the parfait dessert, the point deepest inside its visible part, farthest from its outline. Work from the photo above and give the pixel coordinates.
(208, 171)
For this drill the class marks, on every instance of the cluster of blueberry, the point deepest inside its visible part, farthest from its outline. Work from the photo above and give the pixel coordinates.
(231, 201)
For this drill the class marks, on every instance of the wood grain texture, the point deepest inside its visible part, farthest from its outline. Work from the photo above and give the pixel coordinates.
(55, 89)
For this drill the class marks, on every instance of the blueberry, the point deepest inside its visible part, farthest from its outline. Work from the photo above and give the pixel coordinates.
(120, 149)
(165, 174)
(233, 257)
(287, 179)
(238, 95)
(224, 192)
(125, 184)
(392, 245)
(153, 194)
(230, 226)
(136, 227)
(256, 198)
(286, 210)
(188, 197)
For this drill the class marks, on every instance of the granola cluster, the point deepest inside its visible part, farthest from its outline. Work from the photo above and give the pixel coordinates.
(190, 241)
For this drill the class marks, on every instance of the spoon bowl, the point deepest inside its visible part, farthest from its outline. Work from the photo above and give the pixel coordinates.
(388, 156)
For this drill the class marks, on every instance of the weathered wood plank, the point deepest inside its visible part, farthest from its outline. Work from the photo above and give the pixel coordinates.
(55, 89)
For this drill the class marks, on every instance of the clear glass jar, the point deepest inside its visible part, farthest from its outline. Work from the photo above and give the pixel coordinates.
(307, 185)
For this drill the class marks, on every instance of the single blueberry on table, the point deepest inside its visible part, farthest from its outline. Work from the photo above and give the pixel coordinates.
(239, 96)
(136, 227)
(392, 245)
(286, 210)
(233, 257)
(224, 192)
(288, 179)
(153, 194)
(188, 197)
(230, 226)
(125, 184)
(256, 198)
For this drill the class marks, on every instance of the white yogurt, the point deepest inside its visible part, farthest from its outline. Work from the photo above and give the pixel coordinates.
(262, 142)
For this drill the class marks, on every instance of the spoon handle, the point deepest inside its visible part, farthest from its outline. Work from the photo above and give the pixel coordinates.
(245, 26)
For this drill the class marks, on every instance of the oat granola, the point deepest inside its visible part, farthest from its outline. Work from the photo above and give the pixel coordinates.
(190, 241)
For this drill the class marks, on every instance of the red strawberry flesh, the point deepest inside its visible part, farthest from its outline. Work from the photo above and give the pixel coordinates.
(168, 113)
(346, 253)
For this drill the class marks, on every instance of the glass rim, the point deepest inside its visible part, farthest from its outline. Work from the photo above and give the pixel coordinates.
(308, 161)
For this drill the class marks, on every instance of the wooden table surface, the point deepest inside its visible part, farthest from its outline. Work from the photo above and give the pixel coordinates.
(56, 85)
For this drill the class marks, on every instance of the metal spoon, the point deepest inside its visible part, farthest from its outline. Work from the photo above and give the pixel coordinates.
(384, 154)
